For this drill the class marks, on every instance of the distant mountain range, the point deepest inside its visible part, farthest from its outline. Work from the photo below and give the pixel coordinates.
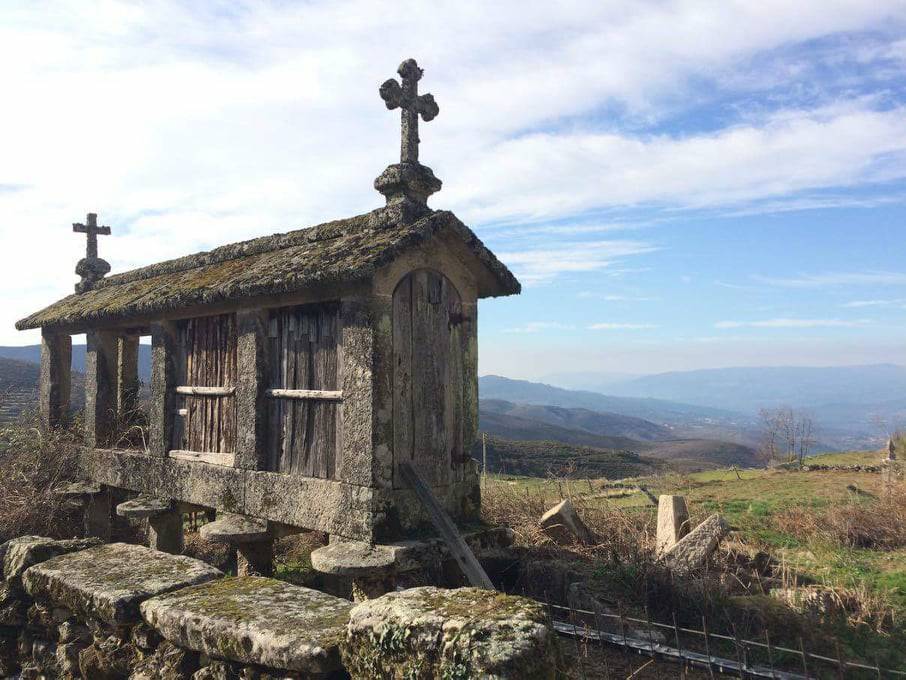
(32, 353)
(853, 406)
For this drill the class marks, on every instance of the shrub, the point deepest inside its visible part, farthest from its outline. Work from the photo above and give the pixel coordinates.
(32, 464)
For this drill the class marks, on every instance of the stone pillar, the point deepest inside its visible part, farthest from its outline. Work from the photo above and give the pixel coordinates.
(127, 376)
(100, 388)
(255, 558)
(354, 462)
(672, 522)
(55, 381)
(164, 372)
(165, 532)
(97, 515)
(251, 402)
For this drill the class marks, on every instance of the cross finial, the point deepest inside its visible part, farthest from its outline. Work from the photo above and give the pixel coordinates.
(91, 268)
(407, 98)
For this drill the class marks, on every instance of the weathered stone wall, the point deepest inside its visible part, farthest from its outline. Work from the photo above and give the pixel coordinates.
(84, 609)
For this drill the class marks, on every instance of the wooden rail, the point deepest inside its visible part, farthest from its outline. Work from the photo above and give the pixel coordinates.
(321, 395)
(197, 391)
(224, 459)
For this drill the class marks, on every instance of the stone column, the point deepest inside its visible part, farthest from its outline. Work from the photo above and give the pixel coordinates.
(97, 515)
(165, 532)
(55, 380)
(127, 376)
(251, 402)
(164, 374)
(100, 388)
(255, 558)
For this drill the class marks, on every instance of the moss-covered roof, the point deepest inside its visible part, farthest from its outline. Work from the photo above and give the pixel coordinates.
(332, 253)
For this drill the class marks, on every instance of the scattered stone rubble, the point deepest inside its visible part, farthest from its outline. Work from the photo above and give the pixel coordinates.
(563, 525)
(693, 550)
(82, 609)
(672, 522)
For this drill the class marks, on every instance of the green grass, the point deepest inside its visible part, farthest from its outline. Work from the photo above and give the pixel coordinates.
(751, 499)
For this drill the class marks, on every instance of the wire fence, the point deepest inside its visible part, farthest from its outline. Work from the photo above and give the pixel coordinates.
(703, 648)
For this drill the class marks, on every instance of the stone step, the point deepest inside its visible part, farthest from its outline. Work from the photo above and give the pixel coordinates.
(108, 582)
(254, 620)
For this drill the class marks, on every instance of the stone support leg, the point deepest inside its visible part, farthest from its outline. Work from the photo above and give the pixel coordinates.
(163, 387)
(255, 559)
(54, 389)
(364, 588)
(251, 403)
(165, 532)
(97, 516)
(100, 389)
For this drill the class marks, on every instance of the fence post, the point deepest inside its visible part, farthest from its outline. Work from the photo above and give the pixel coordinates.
(804, 658)
(707, 645)
(767, 639)
(841, 667)
(623, 634)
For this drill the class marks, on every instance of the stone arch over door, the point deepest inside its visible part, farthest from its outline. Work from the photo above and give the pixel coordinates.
(427, 376)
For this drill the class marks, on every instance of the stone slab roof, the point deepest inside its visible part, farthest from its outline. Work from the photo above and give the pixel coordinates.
(255, 620)
(344, 251)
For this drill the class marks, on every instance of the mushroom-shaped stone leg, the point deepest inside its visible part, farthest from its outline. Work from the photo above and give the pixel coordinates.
(370, 568)
(164, 522)
(94, 500)
(252, 539)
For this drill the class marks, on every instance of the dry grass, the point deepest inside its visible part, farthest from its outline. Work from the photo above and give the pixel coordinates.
(862, 522)
(32, 464)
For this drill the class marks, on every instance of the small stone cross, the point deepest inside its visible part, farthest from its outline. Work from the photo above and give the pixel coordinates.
(92, 229)
(407, 98)
(91, 268)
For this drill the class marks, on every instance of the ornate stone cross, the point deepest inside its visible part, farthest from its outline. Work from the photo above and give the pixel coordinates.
(407, 98)
(91, 268)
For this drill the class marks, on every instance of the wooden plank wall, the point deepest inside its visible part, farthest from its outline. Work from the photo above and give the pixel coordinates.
(428, 376)
(207, 359)
(303, 433)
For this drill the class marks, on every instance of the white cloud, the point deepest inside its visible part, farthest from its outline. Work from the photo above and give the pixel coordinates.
(793, 323)
(875, 303)
(538, 326)
(610, 297)
(188, 125)
(831, 279)
(542, 264)
(620, 326)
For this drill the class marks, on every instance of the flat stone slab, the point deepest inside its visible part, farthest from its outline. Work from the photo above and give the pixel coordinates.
(78, 489)
(108, 582)
(430, 632)
(254, 620)
(143, 507)
(235, 529)
(18, 554)
(693, 550)
(354, 558)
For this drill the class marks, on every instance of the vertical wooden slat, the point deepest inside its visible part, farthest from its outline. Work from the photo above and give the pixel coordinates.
(402, 375)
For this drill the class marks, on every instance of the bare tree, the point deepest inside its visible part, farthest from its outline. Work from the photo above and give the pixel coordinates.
(787, 435)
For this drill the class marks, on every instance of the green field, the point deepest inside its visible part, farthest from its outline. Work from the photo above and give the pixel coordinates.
(752, 500)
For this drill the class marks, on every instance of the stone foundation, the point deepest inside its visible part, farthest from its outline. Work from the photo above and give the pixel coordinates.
(82, 609)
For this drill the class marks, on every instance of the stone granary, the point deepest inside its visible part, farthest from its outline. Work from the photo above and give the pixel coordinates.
(291, 374)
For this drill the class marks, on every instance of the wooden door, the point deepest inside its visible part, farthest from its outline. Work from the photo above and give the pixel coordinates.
(208, 348)
(303, 433)
(427, 376)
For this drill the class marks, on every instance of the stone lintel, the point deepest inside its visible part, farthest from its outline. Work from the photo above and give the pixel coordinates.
(251, 403)
(309, 503)
(254, 620)
(55, 379)
(108, 582)
(164, 374)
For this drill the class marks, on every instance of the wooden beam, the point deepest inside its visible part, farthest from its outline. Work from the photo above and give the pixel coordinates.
(322, 395)
(448, 530)
(198, 391)
(225, 459)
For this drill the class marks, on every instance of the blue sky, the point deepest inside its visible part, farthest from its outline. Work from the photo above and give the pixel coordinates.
(677, 184)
